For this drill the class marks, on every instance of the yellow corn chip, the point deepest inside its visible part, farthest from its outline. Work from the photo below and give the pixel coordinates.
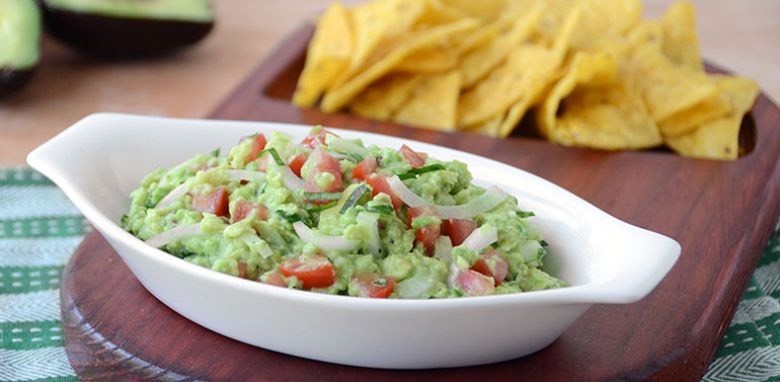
(385, 96)
(646, 34)
(513, 117)
(680, 40)
(609, 117)
(338, 97)
(525, 73)
(327, 57)
(719, 138)
(601, 22)
(379, 20)
(478, 62)
(436, 59)
(433, 102)
(489, 127)
(684, 121)
(483, 35)
(486, 10)
(436, 13)
(585, 69)
(666, 88)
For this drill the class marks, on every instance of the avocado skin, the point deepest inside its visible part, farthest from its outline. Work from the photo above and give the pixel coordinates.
(121, 37)
(13, 79)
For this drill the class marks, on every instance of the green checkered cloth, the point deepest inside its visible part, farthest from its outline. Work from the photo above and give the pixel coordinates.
(40, 229)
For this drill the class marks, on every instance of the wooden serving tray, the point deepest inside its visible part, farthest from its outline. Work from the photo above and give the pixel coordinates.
(722, 213)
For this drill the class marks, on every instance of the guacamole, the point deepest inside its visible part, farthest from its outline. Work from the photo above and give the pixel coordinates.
(332, 215)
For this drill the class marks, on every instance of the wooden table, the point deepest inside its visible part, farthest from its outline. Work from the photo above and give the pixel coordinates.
(738, 35)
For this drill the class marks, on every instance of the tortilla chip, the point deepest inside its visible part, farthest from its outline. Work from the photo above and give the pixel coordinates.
(377, 21)
(612, 117)
(486, 10)
(327, 57)
(680, 40)
(433, 102)
(513, 117)
(479, 61)
(436, 12)
(647, 34)
(385, 96)
(527, 69)
(585, 69)
(666, 88)
(719, 138)
(601, 22)
(440, 58)
(742, 92)
(684, 121)
(488, 127)
(482, 35)
(411, 42)
(525, 73)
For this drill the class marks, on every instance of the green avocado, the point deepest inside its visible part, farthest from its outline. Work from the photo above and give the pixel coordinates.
(128, 28)
(20, 31)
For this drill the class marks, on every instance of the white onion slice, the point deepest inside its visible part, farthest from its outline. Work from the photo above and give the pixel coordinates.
(416, 286)
(263, 249)
(485, 202)
(324, 242)
(345, 146)
(443, 249)
(172, 196)
(291, 181)
(174, 234)
(452, 279)
(481, 238)
(256, 176)
(371, 220)
(405, 194)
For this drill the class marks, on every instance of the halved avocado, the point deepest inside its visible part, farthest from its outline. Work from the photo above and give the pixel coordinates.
(128, 28)
(20, 50)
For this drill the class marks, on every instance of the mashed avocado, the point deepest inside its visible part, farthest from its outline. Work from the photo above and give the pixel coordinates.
(332, 215)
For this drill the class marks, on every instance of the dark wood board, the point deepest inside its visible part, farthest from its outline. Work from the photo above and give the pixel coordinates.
(722, 213)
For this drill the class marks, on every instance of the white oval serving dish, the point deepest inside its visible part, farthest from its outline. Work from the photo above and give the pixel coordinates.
(99, 160)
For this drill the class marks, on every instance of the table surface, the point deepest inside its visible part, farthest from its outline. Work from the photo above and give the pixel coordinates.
(737, 35)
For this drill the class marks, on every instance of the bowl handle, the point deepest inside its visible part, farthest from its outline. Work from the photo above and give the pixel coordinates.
(647, 257)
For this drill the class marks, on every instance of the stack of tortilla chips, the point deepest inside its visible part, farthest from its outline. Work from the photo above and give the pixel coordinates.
(595, 72)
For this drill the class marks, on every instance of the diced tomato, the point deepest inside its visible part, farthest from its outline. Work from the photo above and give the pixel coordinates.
(297, 163)
(273, 278)
(258, 145)
(325, 163)
(313, 272)
(244, 208)
(373, 285)
(242, 269)
(414, 212)
(413, 158)
(316, 139)
(458, 229)
(492, 264)
(215, 203)
(473, 283)
(426, 235)
(378, 183)
(365, 168)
